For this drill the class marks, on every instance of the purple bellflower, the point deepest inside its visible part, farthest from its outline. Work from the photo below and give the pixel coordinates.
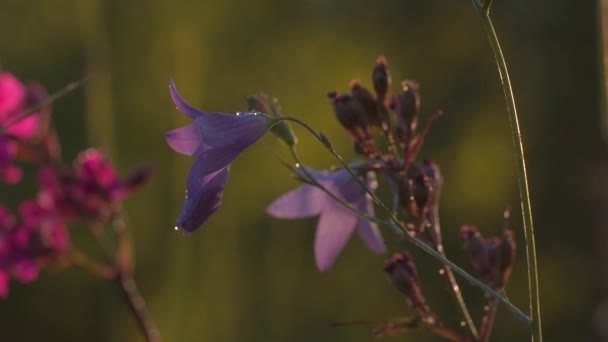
(336, 223)
(215, 139)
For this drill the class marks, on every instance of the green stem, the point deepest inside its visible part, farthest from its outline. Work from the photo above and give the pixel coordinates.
(396, 226)
(310, 179)
(524, 192)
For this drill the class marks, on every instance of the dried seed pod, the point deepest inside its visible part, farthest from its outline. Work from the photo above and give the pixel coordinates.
(351, 115)
(382, 80)
(402, 273)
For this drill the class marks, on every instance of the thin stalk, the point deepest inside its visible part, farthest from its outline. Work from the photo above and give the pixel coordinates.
(120, 254)
(448, 272)
(396, 226)
(68, 88)
(524, 192)
(138, 307)
(95, 268)
(488, 320)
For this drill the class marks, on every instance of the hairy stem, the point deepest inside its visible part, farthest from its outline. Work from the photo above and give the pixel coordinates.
(524, 192)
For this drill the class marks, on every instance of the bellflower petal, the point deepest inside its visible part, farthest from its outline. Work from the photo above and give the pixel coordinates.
(238, 131)
(185, 140)
(336, 223)
(181, 104)
(305, 201)
(203, 197)
(333, 231)
(368, 231)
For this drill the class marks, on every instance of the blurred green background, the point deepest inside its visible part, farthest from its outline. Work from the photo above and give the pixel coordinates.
(247, 277)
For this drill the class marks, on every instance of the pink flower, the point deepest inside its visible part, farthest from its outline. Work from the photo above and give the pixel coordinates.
(87, 191)
(27, 245)
(14, 99)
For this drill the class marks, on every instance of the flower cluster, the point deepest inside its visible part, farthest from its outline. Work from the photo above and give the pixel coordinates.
(25, 245)
(87, 191)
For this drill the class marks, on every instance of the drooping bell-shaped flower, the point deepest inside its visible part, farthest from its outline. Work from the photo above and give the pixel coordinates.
(215, 139)
(336, 223)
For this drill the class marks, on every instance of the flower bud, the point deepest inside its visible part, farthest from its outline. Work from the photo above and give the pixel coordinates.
(407, 105)
(281, 129)
(351, 114)
(493, 257)
(474, 246)
(381, 79)
(402, 273)
(375, 114)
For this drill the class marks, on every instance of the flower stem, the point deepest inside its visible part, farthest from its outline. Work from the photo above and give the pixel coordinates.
(312, 181)
(120, 254)
(138, 307)
(488, 320)
(95, 268)
(524, 192)
(396, 226)
(448, 271)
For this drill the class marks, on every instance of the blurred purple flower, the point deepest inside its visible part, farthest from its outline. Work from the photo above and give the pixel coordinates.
(89, 190)
(336, 223)
(215, 139)
(27, 245)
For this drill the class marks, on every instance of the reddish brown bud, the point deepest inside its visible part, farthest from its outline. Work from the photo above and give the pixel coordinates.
(382, 79)
(474, 246)
(407, 106)
(351, 114)
(402, 273)
(493, 258)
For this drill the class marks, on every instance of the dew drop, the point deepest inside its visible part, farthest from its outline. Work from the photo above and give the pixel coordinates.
(176, 228)
(462, 323)
(441, 271)
(297, 164)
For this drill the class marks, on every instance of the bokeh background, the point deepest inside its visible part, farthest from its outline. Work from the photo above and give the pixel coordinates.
(247, 277)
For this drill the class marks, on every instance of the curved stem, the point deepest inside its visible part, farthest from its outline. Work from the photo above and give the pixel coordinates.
(524, 192)
(396, 226)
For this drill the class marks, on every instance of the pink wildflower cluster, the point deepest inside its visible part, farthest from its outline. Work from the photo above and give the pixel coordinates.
(87, 191)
